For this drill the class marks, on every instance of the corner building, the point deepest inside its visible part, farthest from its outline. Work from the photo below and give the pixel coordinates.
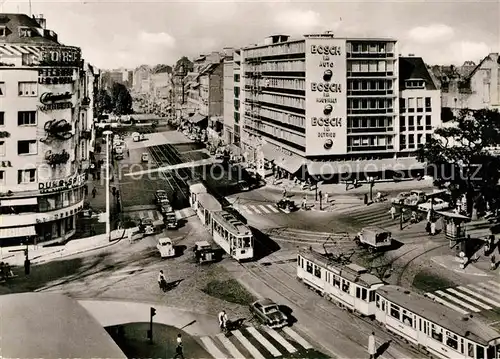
(46, 101)
(323, 106)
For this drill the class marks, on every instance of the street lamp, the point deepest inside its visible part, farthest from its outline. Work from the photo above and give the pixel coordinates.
(108, 214)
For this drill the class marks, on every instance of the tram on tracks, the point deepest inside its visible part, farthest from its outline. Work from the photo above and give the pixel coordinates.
(228, 232)
(431, 327)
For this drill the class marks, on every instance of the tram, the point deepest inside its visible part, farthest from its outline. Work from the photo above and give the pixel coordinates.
(232, 235)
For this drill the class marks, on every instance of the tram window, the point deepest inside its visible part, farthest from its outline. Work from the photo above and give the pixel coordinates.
(479, 352)
(345, 285)
(371, 295)
(309, 267)
(451, 340)
(470, 350)
(383, 305)
(336, 281)
(358, 292)
(247, 242)
(461, 345)
(420, 324)
(377, 300)
(436, 333)
(364, 294)
(407, 319)
(395, 312)
(317, 271)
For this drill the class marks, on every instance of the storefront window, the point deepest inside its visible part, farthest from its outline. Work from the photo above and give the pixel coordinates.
(59, 200)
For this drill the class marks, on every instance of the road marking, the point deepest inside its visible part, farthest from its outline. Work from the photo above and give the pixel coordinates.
(456, 300)
(256, 209)
(480, 296)
(297, 338)
(494, 283)
(248, 346)
(272, 208)
(264, 209)
(445, 303)
(244, 208)
(469, 299)
(487, 291)
(489, 287)
(235, 353)
(212, 349)
(266, 343)
(283, 342)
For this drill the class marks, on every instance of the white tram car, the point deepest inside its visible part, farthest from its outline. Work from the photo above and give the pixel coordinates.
(440, 331)
(228, 232)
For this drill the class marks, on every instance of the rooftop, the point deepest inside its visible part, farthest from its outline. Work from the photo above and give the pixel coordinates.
(50, 325)
(14, 23)
(414, 68)
(439, 314)
(209, 202)
(233, 225)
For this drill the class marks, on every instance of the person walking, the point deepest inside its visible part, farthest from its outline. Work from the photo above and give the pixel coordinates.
(94, 192)
(222, 319)
(179, 349)
(372, 350)
(162, 281)
(393, 212)
(433, 228)
(493, 264)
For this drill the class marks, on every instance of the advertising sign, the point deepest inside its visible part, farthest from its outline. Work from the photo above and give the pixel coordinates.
(61, 185)
(60, 56)
(55, 76)
(326, 97)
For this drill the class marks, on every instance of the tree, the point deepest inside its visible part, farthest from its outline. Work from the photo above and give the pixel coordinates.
(162, 68)
(183, 64)
(103, 102)
(121, 99)
(460, 156)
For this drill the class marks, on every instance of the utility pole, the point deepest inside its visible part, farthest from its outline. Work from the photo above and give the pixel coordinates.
(27, 263)
(152, 313)
(372, 183)
(108, 214)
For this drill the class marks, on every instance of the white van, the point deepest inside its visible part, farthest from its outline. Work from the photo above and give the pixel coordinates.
(136, 137)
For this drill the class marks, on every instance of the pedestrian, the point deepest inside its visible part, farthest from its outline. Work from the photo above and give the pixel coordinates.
(433, 228)
(428, 227)
(493, 264)
(371, 346)
(284, 192)
(365, 199)
(222, 319)
(326, 198)
(94, 192)
(178, 350)
(320, 194)
(486, 249)
(393, 212)
(86, 190)
(113, 191)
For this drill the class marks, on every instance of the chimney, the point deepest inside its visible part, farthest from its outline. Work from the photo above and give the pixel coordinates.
(40, 20)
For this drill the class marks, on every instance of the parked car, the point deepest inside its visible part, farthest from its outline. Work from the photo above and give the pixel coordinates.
(166, 208)
(268, 312)
(438, 205)
(145, 157)
(243, 186)
(161, 196)
(146, 226)
(400, 198)
(165, 247)
(286, 205)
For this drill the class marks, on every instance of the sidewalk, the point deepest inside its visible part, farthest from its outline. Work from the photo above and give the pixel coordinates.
(110, 313)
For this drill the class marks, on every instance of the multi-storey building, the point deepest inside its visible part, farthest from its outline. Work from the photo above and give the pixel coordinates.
(142, 80)
(324, 105)
(162, 84)
(237, 96)
(229, 99)
(46, 94)
(419, 104)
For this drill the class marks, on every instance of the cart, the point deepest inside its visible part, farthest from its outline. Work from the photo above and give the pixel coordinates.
(203, 252)
(374, 238)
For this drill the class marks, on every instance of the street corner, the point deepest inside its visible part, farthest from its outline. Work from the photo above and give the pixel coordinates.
(459, 265)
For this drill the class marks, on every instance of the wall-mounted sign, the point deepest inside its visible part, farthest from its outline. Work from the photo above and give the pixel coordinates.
(55, 76)
(326, 100)
(60, 56)
(55, 106)
(59, 214)
(61, 185)
(5, 164)
(49, 97)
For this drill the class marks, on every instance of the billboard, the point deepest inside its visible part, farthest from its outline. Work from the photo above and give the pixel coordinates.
(60, 56)
(326, 97)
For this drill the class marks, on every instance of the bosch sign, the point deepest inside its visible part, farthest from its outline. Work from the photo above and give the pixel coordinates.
(326, 50)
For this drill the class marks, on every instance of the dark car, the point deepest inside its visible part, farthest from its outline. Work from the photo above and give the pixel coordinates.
(146, 226)
(286, 204)
(161, 197)
(268, 312)
(166, 208)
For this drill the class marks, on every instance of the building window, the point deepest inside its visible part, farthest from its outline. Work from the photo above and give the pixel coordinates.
(428, 124)
(25, 118)
(419, 140)
(27, 147)
(428, 104)
(428, 137)
(411, 104)
(452, 340)
(28, 59)
(3, 31)
(2, 118)
(28, 89)
(420, 104)
(2, 148)
(26, 176)
(2, 89)
(2, 177)
(411, 141)
(24, 32)
(411, 123)
(420, 125)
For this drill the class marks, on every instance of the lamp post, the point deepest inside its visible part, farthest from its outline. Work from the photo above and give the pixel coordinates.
(108, 214)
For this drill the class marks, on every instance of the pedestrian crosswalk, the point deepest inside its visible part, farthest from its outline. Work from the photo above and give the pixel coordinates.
(151, 214)
(256, 342)
(185, 213)
(471, 298)
(260, 209)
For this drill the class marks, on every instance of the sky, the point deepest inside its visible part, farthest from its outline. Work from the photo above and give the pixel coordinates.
(115, 34)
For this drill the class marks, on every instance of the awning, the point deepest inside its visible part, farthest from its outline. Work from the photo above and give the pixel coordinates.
(366, 166)
(14, 232)
(197, 118)
(452, 215)
(18, 202)
(290, 163)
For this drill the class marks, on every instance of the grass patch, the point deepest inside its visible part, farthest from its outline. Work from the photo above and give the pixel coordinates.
(132, 340)
(229, 290)
(429, 282)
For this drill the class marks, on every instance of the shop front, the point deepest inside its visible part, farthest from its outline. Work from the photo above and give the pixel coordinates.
(282, 163)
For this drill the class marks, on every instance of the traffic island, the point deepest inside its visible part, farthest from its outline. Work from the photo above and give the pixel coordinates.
(133, 341)
(229, 290)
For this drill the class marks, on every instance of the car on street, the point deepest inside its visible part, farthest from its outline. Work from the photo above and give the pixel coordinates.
(400, 198)
(166, 208)
(161, 197)
(203, 252)
(269, 313)
(286, 204)
(438, 205)
(146, 226)
(243, 186)
(145, 157)
(165, 247)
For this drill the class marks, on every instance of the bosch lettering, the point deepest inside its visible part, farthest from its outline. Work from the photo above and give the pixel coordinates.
(326, 50)
(325, 121)
(326, 87)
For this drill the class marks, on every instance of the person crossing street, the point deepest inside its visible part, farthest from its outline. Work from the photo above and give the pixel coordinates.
(223, 320)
